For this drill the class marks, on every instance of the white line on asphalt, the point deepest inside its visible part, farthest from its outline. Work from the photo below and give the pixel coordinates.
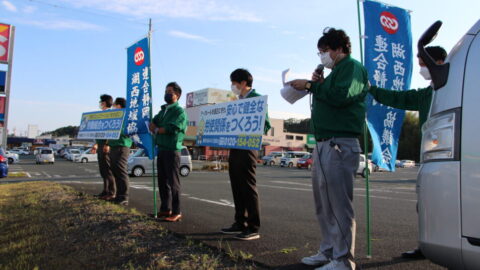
(46, 174)
(214, 202)
(291, 183)
(141, 187)
(290, 188)
(57, 176)
(90, 170)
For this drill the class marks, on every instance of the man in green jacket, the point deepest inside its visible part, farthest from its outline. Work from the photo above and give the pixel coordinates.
(118, 153)
(338, 117)
(414, 100)
(169, 127)
(242, 165)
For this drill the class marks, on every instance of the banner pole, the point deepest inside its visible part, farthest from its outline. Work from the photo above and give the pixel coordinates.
(365, 143)
(153, 136)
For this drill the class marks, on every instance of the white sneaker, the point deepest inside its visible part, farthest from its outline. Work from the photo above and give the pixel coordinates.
(316, 259)
(334, 265)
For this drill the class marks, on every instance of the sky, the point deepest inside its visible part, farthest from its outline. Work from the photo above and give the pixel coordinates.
(68, 53)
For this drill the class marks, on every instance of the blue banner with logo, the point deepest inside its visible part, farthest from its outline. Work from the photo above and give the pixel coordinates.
(388, 60)
(139, 96)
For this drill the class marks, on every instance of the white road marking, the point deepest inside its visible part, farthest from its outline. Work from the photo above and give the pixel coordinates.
(229, 204)
(291, 183)
(46, 174)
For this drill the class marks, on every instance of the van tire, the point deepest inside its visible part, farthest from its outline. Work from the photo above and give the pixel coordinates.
(272, 163)
(184, 171)
(364, 172)
(138, 171)
(10, 160)
(84, 160)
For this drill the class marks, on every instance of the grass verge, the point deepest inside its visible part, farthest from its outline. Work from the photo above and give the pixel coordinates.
(46, 225)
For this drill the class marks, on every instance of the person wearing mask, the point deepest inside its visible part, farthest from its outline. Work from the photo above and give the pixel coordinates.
(118, 153)
(109, 188)
(337, 120)
(414, 100)
(169, 127)
(242, 165)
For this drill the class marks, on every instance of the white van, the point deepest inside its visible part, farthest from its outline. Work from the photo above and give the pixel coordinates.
(44, 155)
(291, 158)
(449, 178)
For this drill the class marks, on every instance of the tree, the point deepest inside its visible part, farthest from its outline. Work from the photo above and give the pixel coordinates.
(70, 131)
(294, 125)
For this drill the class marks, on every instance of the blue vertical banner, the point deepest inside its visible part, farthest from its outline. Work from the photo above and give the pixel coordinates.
(139, 96)
(389, 62)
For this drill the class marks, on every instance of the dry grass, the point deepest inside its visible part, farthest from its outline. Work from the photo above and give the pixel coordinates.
(45, 225)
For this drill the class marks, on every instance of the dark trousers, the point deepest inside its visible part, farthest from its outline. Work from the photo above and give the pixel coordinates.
(105, 171)
(168, 164)
(119, 164)
(241, 168)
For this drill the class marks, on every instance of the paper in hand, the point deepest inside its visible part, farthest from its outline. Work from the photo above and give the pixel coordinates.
(288, 92)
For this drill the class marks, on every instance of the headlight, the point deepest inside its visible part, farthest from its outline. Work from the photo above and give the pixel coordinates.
(440, 137)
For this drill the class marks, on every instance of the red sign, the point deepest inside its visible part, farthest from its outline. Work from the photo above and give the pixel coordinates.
(389, 22)
(139, 56)
(4, 41)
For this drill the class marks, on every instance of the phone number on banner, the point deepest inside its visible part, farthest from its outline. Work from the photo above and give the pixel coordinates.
(247, 142)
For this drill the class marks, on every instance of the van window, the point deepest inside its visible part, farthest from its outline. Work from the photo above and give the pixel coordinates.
(47, 152)
(290, 155)
(299, 138)
(299, 155)
(185, 152)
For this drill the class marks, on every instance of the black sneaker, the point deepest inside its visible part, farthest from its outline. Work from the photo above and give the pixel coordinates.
(248, 234)
(121, 201)
(234, 229)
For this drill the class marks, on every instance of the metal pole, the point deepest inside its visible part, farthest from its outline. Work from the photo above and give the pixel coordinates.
(8, 83)
(365, 143)
(153, 136)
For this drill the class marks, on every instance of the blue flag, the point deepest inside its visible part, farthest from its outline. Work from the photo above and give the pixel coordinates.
(388, 60)
(139, 96)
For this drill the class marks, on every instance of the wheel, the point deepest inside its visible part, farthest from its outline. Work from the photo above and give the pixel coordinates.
(290, 165)
(10, 160)
(364, 173)
(272, 163)
(137, 171)
(84, 160)
(184, 171)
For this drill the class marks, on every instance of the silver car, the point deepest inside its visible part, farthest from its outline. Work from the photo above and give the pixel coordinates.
(139, 164)
(449, 178)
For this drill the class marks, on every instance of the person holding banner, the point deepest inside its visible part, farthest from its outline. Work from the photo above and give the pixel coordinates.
(109, 188)
(169, 127)
(338, 117)
(242, 165)
(118, 154)
(414, 100)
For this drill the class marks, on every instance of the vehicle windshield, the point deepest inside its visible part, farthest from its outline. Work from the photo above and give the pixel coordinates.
(139, 153)
(307, 156)
(46, 151)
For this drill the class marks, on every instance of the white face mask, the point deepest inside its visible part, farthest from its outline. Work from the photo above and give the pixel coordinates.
(235, 90)
(327, 61)
(100, 106)
(425, 73)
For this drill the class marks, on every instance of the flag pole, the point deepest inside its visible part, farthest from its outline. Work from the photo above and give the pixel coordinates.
(365, 143)
(153, 136)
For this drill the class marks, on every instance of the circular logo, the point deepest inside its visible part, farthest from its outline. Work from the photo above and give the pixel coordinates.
(389, 22)
(139, 56)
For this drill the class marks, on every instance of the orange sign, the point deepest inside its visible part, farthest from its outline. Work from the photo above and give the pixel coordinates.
(4, 42)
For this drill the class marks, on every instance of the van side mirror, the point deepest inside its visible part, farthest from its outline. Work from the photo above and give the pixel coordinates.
(439, 73)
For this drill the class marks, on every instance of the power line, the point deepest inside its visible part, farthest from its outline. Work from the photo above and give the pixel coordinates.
(103, 15)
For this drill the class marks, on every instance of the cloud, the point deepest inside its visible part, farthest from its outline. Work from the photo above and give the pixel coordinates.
(213, 10)
(286, 115)
(63, 25)
(29, 9)
(184, 35)
(9, 6)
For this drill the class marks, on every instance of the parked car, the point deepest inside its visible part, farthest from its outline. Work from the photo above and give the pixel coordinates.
(44, 155)
(12, 157)
(362, 168)
(19, 151)
(71, 153)
(85, 157)
(3, 163)
(448, 181)
(305, 162)
(291, 158)
(273, 158)
(408, 164)
(139, 164)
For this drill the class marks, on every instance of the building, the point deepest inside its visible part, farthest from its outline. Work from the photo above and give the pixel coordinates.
(277, 139)
(32, 131)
